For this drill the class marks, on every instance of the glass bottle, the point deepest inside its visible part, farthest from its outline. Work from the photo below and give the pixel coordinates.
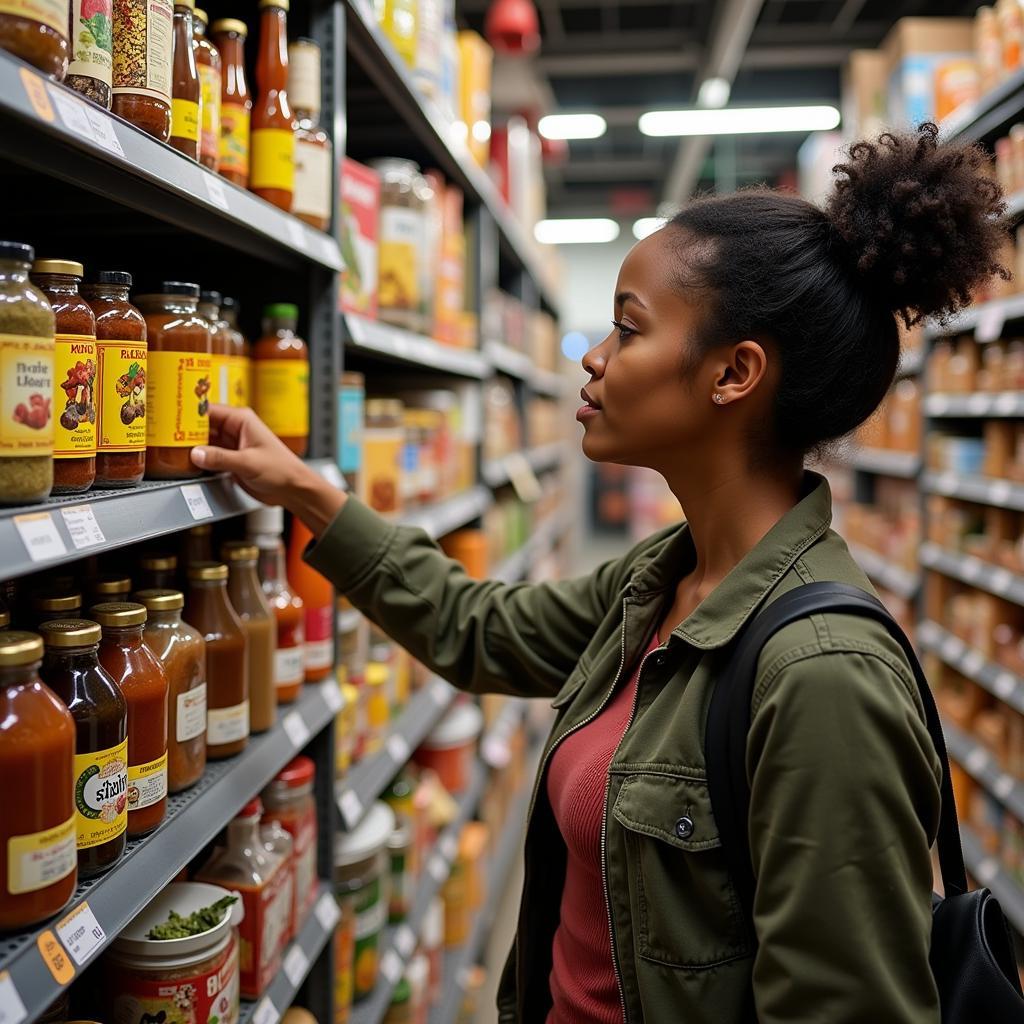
(220, 345)
(158, 572)
(141, 677)
(196, 546)
(318, 597)
(278, 842)
(89, 72)
(208, 66)
(38, 34)
(208, 609)
(239, 361)
(272, 170)
(186, 93)
(229, 36)
(38, 865)
(143, 65)
(313, 164)
(281, 377)
(48, 605)
(111, 586)
(251, 606)
(72, 670)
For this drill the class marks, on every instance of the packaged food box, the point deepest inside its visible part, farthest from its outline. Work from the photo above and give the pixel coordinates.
(360, 217)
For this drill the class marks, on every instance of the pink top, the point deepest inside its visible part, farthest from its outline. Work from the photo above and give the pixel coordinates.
(584, 989)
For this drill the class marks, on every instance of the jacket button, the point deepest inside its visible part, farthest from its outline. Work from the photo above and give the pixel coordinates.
(684, 827)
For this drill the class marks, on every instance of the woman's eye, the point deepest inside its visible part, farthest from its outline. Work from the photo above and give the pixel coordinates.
(624, 331)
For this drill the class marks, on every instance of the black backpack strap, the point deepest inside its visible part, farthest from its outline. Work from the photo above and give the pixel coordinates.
(728, 722)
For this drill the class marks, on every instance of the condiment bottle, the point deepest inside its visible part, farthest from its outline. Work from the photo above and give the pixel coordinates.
(208, 609)
(182, 652)
(48, 605)
(314, 176)
(281, 377)
(143, 64)
(180, 366)
(279, 843)
(110, 586)
(38, 866)
(196, 546)
(239, 361)
(220, 345)
(121, 365)
(318, 597)
(72, 670)
(74, 392)
(38, 34)
(26, 400)
(186, 93)
(351, 413)
(265, 527)
(158, 572)
(272, 170)
(208, 66)
(235, 100)
(253, 609)
(141, 677)
(92, 51)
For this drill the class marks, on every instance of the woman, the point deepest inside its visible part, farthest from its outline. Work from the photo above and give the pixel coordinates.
(752, 329)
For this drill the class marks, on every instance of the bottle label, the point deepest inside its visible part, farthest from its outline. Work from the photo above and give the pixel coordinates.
(75, 396)
(350, 423)
(209, 84)
(39, 859)
(53, 13)
(92, 40)
(234, 138)
(121, 399)
(227, 725)
(304, 77)
(319, 646)
(289, 666)
(312, 180)
(101, 795)
(238, 381)
(179, 399)
(398, 271)
(144, 31)
(219, 378)
(281, 396)
(273, 159)
(305, 866)
(147, 783)
(26, 395)
(185, 120)
(191, 720)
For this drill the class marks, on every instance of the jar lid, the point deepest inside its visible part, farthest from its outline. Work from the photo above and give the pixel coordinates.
(17, 251)
(300, 771)
(17, 648)
(351, 379)
(180, 287)
(202, 15)
(70, 267)
(158, 563)
(269, 519)
(367, 838)
(239, 551)
(119, 613)
(384, 407)
(160, 600)
(112, 584)
(207, 571)
(70, 633)
(231, 25)
(462, 724)
(281, 310)
(121, 277)
(283, 4)
(190, 4)
(49, 602)
(211, 298)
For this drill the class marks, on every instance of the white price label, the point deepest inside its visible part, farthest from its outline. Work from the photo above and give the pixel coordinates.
(296, 728)
(81, 933)
(12, 1009)
(330, 472)
(449, 847)
(973, 663)
(103, 133)
(215, 190)
(331, 693)
(1002, 581)
(938, 405)
(990, 322)
(1004, 786)
(440, 692)
(296, 234)
(195, 498)
(351, 808)
(978, 404)
(976, 760)
(265, 1012)
(1005, 684)
(972, 569)
(39, 535)
(405, 941)
(327, 912)
(951, 648)
(81, 523)
(391, 966)
(438, 869)
(296, 965)
(987, 870)
(72, 111)
(1000, 492)
(398, 749)
(1006, 404)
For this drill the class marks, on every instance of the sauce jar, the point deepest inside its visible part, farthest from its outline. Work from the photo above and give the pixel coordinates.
(111, 586)
(272, 169)
(220, 345)
(383, 439)
(208, 66)
(239, 361)
(143, 33)
(180, 364)
(158, 572)
(228, 36)
(38, 865)
(281, 377)
(401, 238)
(37, 32)
(186, 92)
(121, 363)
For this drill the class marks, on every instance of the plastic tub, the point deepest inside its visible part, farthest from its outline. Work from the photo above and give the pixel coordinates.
(449, 749)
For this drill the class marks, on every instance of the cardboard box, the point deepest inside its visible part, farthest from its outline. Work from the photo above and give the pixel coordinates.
(865, 88)
(360, 221)
(476, 59)
(451, 273)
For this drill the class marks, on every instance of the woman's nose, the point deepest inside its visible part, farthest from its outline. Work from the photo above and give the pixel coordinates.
(593, 361)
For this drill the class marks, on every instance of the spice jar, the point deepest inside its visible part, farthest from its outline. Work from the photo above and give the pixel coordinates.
(220, 345)
(351, 400)
(383, 438)
(37, 32)
(208, 66)
(186, 92)
(72, 670)
(235, 101)
(314, 178)
(182, 652)
(121, 364)
(26, 395)
(143, 32)
(37, 828)
(281, 377)
(251, 606)
(91, 33)
(401, 238)
(272, 170)
(208, 609)
(48, 605)
(239, 362)
(178, 381)
(74, 401)
(158, 572)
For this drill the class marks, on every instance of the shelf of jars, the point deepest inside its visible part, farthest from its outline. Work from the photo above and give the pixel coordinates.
(991, 404)
(900, 581)
(541, 459)
(975, 572)
(41, 961)
(49, 128)
(881, 461)
(982, 767)
(986, 319)
(984, 490)
(999, 107)
(988, 871)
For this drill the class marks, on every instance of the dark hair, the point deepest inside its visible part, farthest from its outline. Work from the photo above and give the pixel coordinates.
(910, 229)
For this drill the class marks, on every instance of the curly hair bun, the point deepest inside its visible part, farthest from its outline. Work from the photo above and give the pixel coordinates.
(920, 221)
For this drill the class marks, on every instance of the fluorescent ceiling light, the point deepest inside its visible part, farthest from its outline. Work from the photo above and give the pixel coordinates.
(578, 231)
(572, 126)
(714, 93)
(647, 226)
(739, 121)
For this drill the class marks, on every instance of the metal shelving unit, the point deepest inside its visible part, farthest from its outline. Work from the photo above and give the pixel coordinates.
(900, 581)
(375, 339)
(498, 472)
(982, 767)
(451, 514)
(989, 872)
(973, 571)
(980, 489)
(986, 319)
(988, 404)
(905, 465)
(987, 116)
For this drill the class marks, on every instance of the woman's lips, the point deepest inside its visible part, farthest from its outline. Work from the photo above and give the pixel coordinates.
(585, 412)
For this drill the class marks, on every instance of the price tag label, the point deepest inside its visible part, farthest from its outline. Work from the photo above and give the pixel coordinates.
(72, 111)
(1005, 684)
(332, 695)
(296, 728)
(438, 869)
(440, 692)
(990, 322)
(103, 133)
(296, 965)
(977, 759)
(35, 90)
(524, 479)
(1000, 492)
(330, 472)
(81, 524)
(39, 535)
(987, 870)
(1003, 786)
(81, 933)
(327, 912)
(215, 190)
(195, 498)
(391, 966)
(296, 234)
(398, 749)
(405, 941)
(973, 663)
(938, 405)
(351, 808)
(1002, 581)
(265, 1012)
(972, 570)
(12, 1009)
(1006, 404)
(951, 648)
(58, 962)
(449, 847)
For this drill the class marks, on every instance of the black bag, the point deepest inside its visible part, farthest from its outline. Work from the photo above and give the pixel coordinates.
(971, 955)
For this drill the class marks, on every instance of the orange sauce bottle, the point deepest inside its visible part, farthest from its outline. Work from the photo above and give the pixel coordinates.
(272, 166)
(318, 597)
(186, 94)
(228, 36)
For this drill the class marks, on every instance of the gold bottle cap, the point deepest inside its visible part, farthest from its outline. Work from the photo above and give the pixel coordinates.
(50, 602)
(202, 16)
(17, 648)
(158, 563)
(111, 586)
(119, 613)
(207, 571)
(231, 25)
(161, 600)
(239, 551)
(70, 633)
(282, 4)
(58, 267)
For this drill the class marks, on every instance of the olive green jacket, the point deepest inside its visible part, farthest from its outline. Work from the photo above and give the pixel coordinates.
(843, 775)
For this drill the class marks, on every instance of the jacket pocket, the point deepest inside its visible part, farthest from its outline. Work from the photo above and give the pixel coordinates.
(683, 903)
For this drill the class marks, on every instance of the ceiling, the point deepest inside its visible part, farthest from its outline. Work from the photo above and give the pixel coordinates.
(622, 57)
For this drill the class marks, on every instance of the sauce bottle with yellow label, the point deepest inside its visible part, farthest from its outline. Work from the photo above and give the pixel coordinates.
(272, 171)
(281, 377)
(186, 94)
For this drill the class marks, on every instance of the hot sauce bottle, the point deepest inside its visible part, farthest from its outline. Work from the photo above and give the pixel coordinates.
(186, 94)
(208, 64)
(272, 171)
(281, 377)
(313, 175)
(318, 597)
(228, 36)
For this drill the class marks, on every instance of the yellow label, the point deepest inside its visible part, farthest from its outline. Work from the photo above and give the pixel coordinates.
(209, 84)
(177, 413)
(273, 159)
(39, 859)
(281, 397)
(219, 379)
(381, 475)
(26, 395)
(74, 402)
(50, 12)
(101, 795)
(238, 381)
(184, 119)
(147, 783)
(121, 384)
(398, 270)
(234, 138)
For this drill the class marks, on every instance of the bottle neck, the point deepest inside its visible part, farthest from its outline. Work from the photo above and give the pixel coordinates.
(75, 658)
(110, 292)
(14, 270)
(272, 562)
(171, 617)
(57, 284)
(272, 66)
(124, 636)
(244, 833)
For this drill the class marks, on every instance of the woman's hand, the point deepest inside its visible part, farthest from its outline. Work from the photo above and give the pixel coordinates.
(244, 446)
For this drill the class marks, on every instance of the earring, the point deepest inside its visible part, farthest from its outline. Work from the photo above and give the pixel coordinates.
(719, 398)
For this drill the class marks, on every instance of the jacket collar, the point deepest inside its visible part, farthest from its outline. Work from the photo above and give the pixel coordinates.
(720, 616)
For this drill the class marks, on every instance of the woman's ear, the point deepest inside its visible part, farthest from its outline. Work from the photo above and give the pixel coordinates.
(742, 373)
